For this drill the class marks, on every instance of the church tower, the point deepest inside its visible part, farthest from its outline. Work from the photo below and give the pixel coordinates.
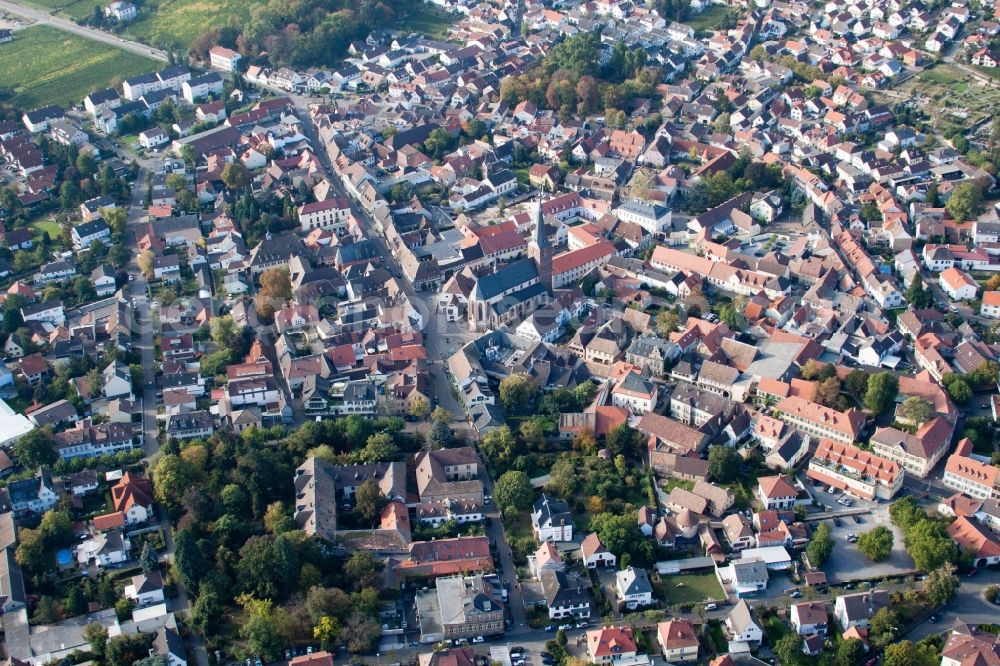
(540, 250)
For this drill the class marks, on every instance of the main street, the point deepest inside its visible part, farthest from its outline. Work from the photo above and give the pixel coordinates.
(41, 17)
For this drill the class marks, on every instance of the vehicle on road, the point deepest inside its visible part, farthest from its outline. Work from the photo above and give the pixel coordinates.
(550, 628)
(933, 618)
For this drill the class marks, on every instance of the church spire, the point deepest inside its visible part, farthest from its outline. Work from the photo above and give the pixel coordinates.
(540, 249)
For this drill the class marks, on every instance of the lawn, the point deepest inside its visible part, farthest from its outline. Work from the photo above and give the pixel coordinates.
(48, 225)
(689, 588)
(427, 20)
(709, 19)
(48, 66)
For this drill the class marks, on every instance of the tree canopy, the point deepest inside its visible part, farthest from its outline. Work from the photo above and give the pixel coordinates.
(876, 544)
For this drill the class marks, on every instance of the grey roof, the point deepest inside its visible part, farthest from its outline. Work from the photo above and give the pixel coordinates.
(549, 511)
(512, 275)
(560, 592)
(169, 642)
(634, 581)
(749, 571)
(147, 582)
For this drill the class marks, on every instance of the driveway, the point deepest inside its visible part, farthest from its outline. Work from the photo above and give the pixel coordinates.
(847, 563)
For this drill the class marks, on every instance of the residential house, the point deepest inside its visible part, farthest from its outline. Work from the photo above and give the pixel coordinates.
(633, 588)
(678, 639)
(551, 519)
(857, 610)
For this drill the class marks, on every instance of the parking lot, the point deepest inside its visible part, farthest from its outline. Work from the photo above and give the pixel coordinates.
(830, 503)
(847, 563)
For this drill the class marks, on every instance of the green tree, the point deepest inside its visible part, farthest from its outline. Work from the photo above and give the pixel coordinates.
(857, 382)
(276, 519)
(513, 491)
(362, 569)
(369, 501)
(172, 476)
(260, 630)
(517, 392)
(960, 392)
(820, 546)
(941, 585)
(929, 545)
(189, 561)
(876, 544)
(380, 447)
(788, 649)
(235, 175)
(624, 440)
(965, 201)
(620, 534)
(95, 634)
(36, 448)
(849, 653)
(917, 295)
(723, 463)
(125, 650)
(327, 632)
(828, 393)
(881, 393)
(905, 653)
(666, 323)
(916, 409)
(31, 552)
(149, 560)
(499, 445)
(882, 629)
(56, 527)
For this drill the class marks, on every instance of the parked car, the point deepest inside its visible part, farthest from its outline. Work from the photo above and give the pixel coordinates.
(933, 619)
(478, 639)
(795, 594)
(582, 625)
(565, 627)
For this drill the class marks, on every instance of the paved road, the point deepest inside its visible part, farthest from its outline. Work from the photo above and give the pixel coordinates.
(90, 33)
(969, 606)
(145, 328)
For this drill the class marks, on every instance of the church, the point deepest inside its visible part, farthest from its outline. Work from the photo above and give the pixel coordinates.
(511, 292)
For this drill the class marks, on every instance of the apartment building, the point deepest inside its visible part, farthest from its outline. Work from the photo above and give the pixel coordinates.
(918, 453)
(854, 471)
(969, 476)
(821, 421)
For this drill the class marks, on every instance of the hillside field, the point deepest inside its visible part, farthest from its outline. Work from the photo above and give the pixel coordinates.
(45, 65)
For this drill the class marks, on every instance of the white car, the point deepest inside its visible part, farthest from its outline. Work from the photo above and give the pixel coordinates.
(478, 639)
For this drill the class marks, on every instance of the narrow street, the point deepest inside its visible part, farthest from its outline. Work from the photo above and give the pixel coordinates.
(144, 339)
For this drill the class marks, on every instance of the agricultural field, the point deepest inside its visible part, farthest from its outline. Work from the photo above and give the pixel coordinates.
(44, 65)
(74, 9)
(950, 96)
(174, 24)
